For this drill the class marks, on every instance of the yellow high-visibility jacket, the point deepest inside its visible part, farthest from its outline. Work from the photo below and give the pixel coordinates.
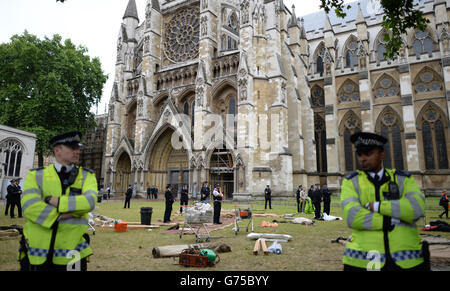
(368, 242)
(79, 199)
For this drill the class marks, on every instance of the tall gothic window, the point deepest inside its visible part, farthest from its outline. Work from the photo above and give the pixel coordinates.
(11, 156)
(186, 108)
(381, 47)
(193, 114)
(232, 108)
(317, 96)
(321, 143)
(349, 92)
(427, 81)
(351, 53)
(351, 124)
(320, 53)
(389, 125)
(433, 126)
(423, 43)
(386, 86)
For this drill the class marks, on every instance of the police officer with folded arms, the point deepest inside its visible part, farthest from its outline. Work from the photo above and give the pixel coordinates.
(382, 207)
(56, 201)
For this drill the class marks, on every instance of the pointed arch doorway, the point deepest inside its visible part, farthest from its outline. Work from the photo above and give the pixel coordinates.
(166, 164)
(123, 176)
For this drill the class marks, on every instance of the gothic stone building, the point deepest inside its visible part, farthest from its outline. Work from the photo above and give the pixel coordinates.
(289, 91)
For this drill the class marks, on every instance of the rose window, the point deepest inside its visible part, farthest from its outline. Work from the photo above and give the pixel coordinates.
(181, 41)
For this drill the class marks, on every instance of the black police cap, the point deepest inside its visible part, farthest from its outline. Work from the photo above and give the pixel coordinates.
(367, 140)
(72, 138)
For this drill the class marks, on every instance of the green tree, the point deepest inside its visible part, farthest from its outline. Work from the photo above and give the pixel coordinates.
(399, 15)
(48, 87)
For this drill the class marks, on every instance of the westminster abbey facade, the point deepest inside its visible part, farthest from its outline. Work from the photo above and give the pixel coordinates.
(246, 94)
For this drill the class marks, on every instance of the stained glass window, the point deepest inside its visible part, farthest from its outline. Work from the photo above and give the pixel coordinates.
(433, 137)
(423, 43)
(11, 156)
(349, 92)
(386, 86)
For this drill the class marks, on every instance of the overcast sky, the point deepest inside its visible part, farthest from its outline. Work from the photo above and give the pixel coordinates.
(92, 23)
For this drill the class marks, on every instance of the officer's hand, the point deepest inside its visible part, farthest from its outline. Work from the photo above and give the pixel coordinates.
(54, 201)
(67, 215)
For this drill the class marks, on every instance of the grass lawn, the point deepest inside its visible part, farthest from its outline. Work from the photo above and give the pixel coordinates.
(309, 249)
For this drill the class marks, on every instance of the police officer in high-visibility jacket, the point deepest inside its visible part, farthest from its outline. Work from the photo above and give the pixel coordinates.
(381, 206)
(56, 201)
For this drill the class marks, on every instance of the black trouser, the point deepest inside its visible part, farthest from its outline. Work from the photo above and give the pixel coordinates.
(270, 203)
(445, 210)
(168, 211)
(183, 202)
(15, 202)
(316, 204)
(217, 209)
(8, 205)
(127, 201)
(326, 206)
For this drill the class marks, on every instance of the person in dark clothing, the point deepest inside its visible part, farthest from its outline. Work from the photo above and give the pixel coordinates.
(14, 192)
(316, 200)
(128, 196)
(205, 192)
(184, 198)
(268, 197)
(9, 196)
(297, 196)
(218, 197)
(16, 200)
(169, 201)
(444, 203)
(155, 192)
(310, 191)
(149, 192)
(326, 196)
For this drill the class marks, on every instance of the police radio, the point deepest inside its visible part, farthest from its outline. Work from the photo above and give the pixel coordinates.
(394, 193)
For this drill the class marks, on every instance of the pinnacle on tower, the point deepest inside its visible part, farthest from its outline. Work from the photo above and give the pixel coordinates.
(293, 21)
(131, 10)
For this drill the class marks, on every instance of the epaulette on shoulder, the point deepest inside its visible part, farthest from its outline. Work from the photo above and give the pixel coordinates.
(351, 175)
(403, 173)
(37, 169)
(89, 170)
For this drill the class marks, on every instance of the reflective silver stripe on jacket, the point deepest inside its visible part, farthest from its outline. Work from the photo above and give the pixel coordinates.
(32, 191)
(85, 174)
(348, 200)
(356, 186)
(415, 205)
(91, 196)
(44, 214)
(75, 221)
(40, 180)
(30, 202)
(400, 180)
(72, 203)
